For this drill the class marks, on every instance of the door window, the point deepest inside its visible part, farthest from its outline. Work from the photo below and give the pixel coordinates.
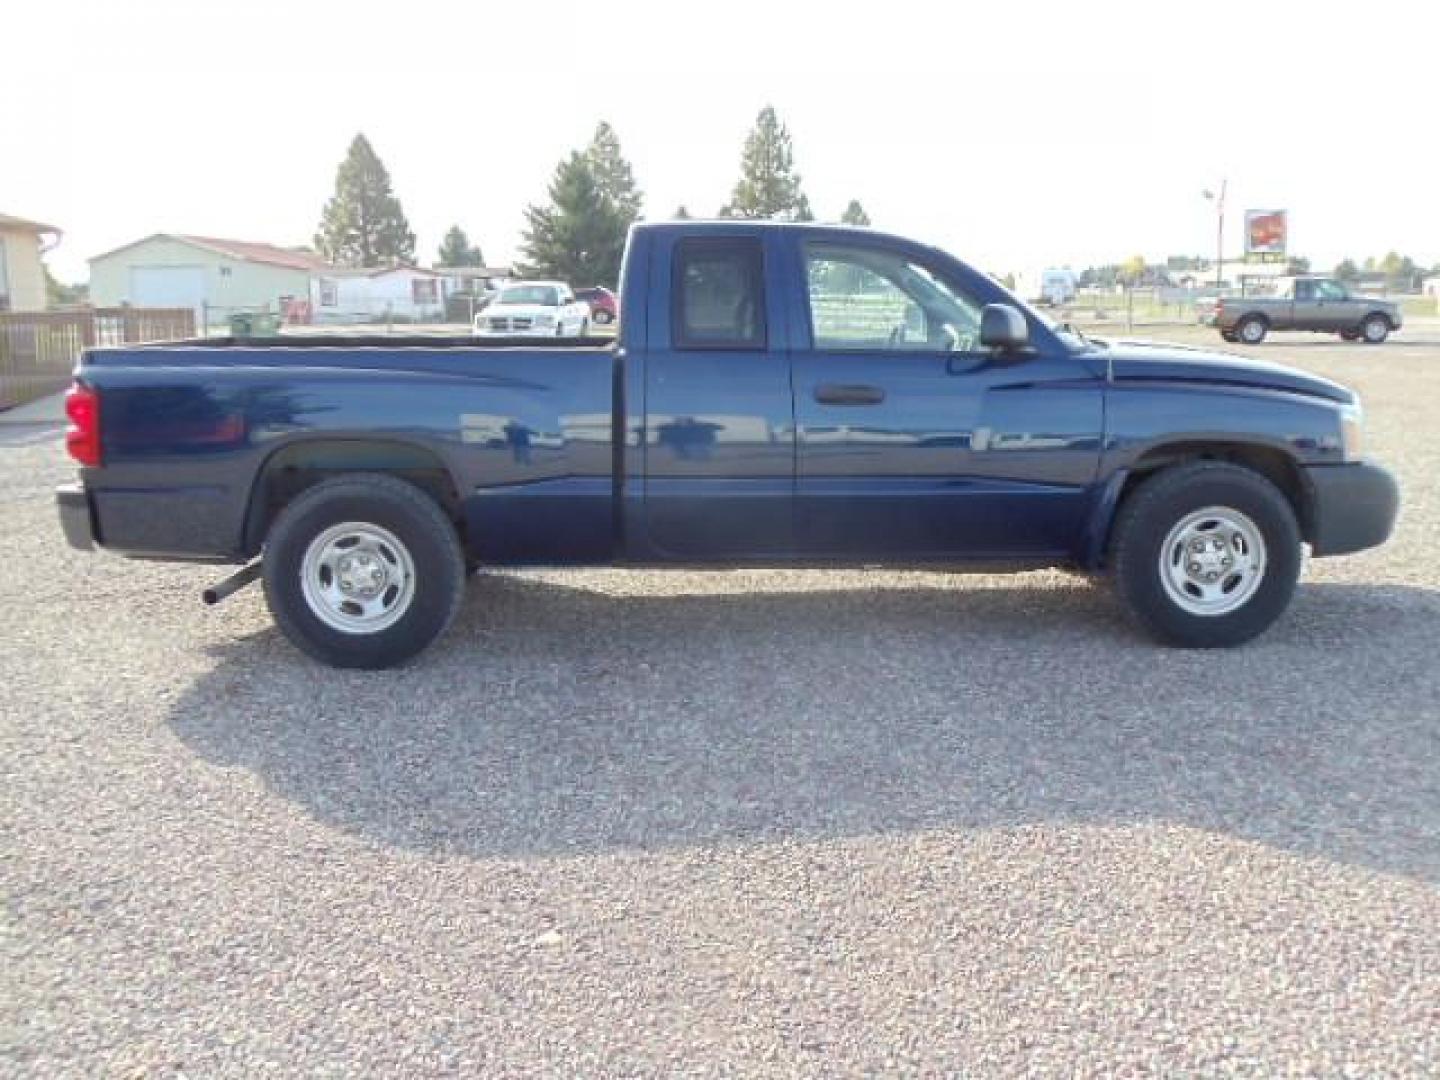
(1304, 290)
(867, 300)
(1329, 290)
(719, 294)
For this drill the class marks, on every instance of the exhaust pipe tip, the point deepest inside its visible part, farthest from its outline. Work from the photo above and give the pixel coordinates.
(232, 584)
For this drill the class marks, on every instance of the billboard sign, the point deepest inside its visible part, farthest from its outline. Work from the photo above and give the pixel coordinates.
(1265, 235)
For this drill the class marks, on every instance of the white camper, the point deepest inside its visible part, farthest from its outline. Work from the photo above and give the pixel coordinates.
(1053, 287)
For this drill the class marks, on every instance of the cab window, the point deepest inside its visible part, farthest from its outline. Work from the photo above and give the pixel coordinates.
(719, 294)
(867, 300)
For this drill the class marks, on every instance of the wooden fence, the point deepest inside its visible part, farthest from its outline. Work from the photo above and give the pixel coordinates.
(38, 349)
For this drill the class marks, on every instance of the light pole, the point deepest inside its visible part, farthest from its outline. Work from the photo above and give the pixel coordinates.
(1219, 201)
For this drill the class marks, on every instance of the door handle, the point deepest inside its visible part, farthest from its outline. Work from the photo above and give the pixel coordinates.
(838, 394)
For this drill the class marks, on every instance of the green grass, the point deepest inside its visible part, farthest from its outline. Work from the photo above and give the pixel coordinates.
(1420, 305)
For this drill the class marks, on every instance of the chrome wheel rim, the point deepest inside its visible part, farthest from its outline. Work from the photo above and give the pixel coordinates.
(1374, 330)
(1213, 561)
(358, 578)
(1252, 331)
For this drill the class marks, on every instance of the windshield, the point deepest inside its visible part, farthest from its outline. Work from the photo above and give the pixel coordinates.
(544, 295)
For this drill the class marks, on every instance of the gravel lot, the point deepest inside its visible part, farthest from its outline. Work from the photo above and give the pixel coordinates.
(748, 823)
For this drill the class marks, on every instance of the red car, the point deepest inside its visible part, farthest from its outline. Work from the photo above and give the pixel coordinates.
(604, 308)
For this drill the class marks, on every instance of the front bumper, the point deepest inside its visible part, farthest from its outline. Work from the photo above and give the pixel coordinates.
(1354, 507)
(76, 518)
(526, 332)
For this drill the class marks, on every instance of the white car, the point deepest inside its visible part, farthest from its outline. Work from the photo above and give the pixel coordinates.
(534, 309)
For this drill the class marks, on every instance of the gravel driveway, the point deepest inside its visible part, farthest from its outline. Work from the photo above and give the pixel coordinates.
(744, 823)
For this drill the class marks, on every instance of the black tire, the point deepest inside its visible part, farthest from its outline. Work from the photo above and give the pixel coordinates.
(1375, 329)
(412, 517)
(1252, 329)
(1157, 506)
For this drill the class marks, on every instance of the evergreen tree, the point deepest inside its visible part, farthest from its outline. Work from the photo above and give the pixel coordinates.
(363, 224)
(1346, 270)
(456, 250)
(768, 185)
(613, 173)
(855, 215)
(580, 235)
(1399, 269)
(681, 214)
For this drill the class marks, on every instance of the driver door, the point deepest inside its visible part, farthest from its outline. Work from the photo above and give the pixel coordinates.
(1335, 309)
(913, 442)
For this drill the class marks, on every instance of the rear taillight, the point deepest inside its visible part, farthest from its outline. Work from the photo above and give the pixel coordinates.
(82, 437)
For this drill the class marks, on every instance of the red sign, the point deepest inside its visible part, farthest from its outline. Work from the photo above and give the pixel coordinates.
(1265, 232)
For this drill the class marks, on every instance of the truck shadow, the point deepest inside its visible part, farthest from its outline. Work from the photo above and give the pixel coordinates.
(558, 720)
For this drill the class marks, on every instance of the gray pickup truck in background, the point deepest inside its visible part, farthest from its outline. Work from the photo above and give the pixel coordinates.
(1319, 304)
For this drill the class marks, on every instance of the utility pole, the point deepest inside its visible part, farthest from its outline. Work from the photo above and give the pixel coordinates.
(1219, 201)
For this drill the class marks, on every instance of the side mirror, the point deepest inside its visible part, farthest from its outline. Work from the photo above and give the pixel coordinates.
(1003, 327)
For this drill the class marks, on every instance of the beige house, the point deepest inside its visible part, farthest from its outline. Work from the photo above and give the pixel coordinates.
(22, 275)
(215, 277)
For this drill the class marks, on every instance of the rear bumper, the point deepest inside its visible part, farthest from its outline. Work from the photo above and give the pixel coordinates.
(1355, 507)
(76, 517)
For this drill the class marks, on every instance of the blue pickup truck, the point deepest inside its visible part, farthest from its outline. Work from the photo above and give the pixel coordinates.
(778, 395)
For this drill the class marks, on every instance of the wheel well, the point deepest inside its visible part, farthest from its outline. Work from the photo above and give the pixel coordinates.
(1256, 316)
(292, 470)
(1275, 465)
(1383, 314)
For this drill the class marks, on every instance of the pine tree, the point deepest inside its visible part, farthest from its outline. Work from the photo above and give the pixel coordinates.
(580, 235)
(456, 250)
(855, 215)
(768, 186)
(363, 224)
(613, 173)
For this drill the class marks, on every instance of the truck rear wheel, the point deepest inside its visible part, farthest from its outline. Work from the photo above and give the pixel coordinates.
(363, 571)
(1206, 555)
(1252, 329)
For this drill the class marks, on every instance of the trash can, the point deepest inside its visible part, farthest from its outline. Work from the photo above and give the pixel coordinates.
(253, 324)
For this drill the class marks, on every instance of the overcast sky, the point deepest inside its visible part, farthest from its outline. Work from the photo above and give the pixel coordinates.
(1013, 137)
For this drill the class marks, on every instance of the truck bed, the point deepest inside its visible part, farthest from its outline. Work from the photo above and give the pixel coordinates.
(381, 341)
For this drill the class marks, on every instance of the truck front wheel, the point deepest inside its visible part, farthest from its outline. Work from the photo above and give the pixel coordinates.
(363, 571)
(1206, 555)
(1375, 329)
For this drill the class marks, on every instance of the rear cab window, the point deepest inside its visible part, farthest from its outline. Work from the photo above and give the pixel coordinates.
(718, 292)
